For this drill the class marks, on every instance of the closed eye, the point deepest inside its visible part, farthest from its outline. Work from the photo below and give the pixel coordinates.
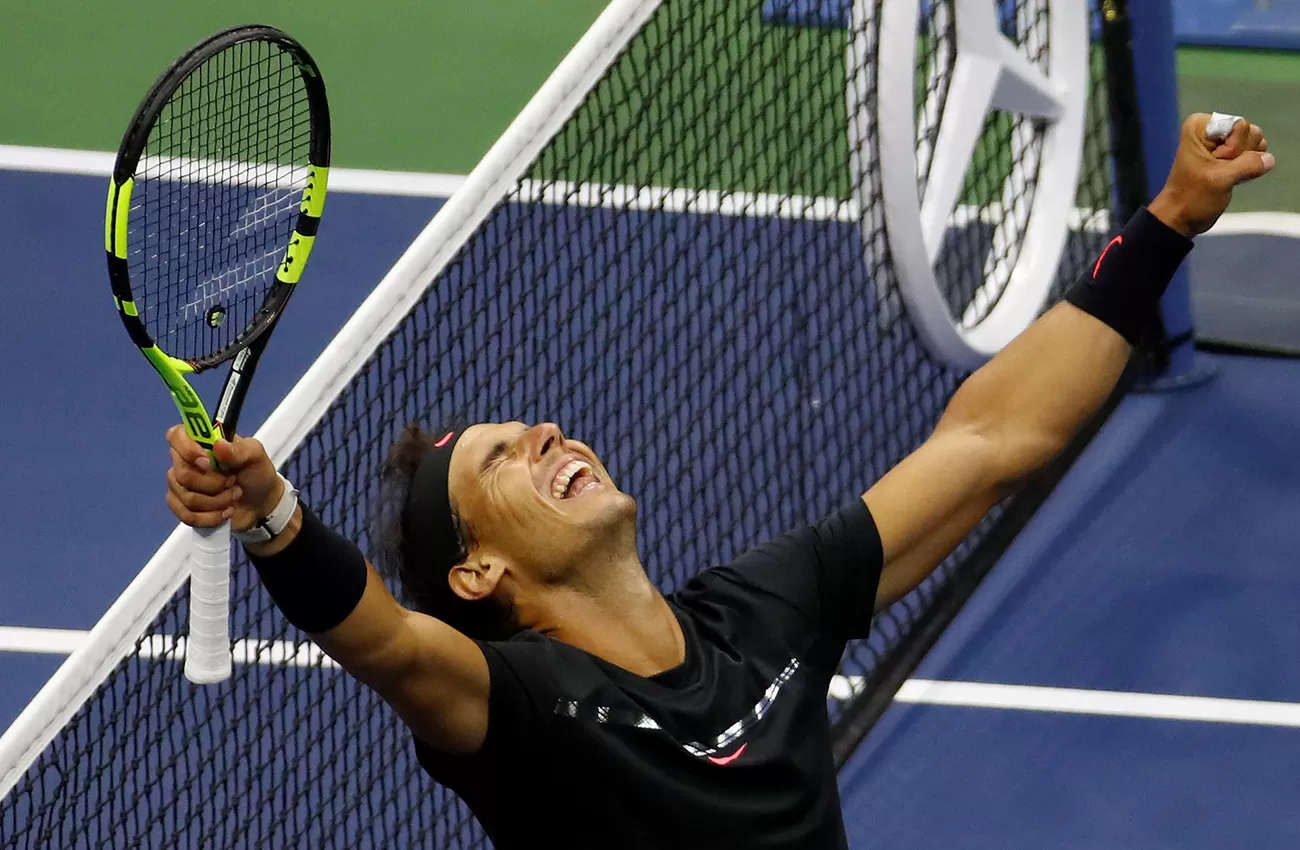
(493, 457)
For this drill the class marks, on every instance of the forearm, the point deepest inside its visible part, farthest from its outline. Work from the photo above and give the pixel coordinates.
(323, 585)
(373, 640)
(1034, 396)
(435, 677)
(316, 577)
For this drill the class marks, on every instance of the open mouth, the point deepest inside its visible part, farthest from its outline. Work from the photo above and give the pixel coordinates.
(573, 479)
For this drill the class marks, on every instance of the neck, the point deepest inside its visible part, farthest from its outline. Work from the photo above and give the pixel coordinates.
(621, 618)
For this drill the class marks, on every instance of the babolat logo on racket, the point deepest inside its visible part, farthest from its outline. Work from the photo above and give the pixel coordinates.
(197, 424)
(185, 396)
(228, 156)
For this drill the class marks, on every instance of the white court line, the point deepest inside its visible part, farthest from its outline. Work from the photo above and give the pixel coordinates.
(620, 197)
(417, 184)
(49, 641)
(358, 180)
(66, 641)
(1110, 703)
(1258, 223)
(432, 185)
(916, 691)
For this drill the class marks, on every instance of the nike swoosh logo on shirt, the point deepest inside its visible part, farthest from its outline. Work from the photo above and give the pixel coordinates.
(725, 760)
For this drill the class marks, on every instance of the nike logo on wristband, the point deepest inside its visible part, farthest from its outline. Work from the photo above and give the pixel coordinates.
(726, 760)
(1118, 240)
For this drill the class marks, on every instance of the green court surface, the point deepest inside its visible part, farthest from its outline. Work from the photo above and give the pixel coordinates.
(1263, 86)
(414, 85)
(426, 86)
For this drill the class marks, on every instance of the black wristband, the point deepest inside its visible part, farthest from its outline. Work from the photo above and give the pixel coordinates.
(318, 579)
(1124, 287)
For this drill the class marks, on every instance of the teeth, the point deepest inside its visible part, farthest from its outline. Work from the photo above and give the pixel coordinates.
(565, 475)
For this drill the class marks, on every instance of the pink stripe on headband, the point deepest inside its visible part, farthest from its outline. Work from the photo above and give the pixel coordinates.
(445, 440)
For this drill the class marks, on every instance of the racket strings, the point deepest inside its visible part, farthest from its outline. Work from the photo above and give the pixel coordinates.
(216, 198)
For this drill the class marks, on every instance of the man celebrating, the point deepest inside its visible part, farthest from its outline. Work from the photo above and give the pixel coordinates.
(546, 679)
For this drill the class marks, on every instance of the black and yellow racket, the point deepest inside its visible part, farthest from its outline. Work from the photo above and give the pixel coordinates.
(213, 207)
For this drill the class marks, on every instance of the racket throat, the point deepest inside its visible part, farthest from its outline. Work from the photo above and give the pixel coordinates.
(226, 416)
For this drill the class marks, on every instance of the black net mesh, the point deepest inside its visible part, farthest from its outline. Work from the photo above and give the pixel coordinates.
(216, 197)
(683, 282)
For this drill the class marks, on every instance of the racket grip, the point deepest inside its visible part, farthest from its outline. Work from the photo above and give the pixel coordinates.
(207, 652)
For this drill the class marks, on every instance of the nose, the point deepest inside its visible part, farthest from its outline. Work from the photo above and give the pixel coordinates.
(543, 439)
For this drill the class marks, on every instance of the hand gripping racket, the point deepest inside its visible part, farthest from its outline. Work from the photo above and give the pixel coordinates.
(214, 204)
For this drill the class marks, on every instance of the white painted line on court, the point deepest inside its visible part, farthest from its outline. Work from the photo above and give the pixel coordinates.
(1284, 224)
(418, 184)
(66, 641)
(356, 180)
(693, 201)
(56, 160)
(642, 198)
(551, 192)
(1111, 703)
(51, 641)
(915, 691)
(411, 184)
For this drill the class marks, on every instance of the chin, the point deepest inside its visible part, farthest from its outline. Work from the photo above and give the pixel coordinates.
(609, 506)
(608, 516)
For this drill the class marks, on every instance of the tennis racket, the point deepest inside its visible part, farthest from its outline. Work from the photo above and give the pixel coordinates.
(214, 204)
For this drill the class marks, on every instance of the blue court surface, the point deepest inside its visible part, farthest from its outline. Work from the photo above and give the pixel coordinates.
(1163, 565)
(85, 415)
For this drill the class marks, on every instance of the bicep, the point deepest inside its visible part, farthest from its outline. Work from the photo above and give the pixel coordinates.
(925, 506)
(434, 677)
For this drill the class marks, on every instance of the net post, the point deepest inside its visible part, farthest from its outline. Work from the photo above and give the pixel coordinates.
(1150, 30)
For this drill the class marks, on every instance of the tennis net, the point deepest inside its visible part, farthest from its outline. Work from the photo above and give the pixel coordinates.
(681, 251)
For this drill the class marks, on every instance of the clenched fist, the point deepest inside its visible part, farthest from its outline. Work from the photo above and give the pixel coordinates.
(244, 490)
(1205, 171)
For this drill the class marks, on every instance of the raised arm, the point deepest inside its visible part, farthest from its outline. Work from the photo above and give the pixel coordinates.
(433, 676)
(1022, 409)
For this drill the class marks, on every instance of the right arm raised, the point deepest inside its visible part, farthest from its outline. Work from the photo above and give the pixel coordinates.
(432, 675)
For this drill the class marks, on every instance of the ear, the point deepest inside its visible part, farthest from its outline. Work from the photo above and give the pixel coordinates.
(477, 577)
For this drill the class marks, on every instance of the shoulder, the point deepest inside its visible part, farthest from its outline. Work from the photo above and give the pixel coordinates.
(531, 667)
(817, 579)
(844, 536)
(523, 675)
(527, 655)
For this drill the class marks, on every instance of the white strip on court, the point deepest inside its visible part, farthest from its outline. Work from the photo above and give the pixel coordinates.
(67, 641)
(417, 184)
(1082, 701)
(915, 691)
(556, 192)
(45, 641)
(356, 180)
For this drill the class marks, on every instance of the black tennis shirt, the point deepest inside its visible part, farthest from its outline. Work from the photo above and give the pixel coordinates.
(729, 749)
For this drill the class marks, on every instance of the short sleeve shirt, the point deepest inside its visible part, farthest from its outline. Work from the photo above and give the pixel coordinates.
(729, 749)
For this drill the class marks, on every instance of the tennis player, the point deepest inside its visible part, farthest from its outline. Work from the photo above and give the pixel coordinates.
(547, 680)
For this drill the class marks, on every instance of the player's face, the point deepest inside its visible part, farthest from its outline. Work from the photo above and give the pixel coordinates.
(545, 502)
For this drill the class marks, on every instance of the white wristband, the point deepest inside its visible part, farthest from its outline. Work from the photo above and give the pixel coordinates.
(266, 529)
